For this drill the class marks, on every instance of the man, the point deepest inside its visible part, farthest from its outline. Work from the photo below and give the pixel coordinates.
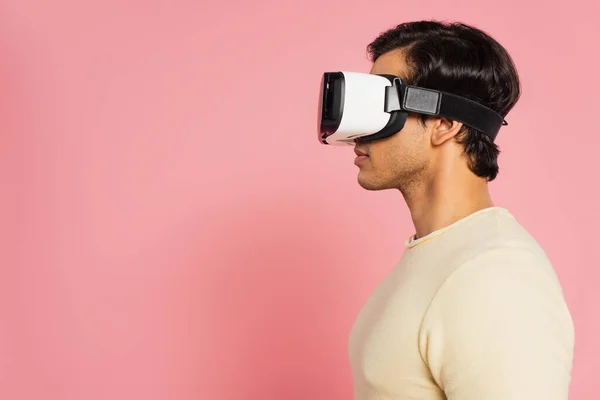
(473, 310)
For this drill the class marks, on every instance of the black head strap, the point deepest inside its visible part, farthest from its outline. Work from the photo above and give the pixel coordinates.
(401, 97)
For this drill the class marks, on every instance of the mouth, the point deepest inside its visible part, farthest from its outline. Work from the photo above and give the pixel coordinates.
(361, 157)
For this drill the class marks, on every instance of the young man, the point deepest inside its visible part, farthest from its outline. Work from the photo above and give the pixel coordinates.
(473, 310)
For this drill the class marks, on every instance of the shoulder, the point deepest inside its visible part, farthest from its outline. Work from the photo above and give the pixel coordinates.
(504, 263)
(500, 276)
(502, 314)
(499, 312)
(502, 293)
(489, 238)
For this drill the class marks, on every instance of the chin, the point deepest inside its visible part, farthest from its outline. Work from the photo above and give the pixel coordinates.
(369, 183)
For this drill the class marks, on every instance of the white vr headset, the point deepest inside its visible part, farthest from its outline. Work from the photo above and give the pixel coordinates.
(363, 107)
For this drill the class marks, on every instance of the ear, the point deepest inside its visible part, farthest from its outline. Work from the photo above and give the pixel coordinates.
(443, 129)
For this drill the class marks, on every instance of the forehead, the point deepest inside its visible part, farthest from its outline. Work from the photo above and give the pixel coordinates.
(393, 63)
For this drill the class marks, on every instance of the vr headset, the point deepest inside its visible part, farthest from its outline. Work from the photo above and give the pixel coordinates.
(364, 107)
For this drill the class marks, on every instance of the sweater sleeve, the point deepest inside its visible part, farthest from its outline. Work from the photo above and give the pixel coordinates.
(499, 329)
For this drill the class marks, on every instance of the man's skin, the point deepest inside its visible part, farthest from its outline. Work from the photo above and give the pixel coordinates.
(424, 162)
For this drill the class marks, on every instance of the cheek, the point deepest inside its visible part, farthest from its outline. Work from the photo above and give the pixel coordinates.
(401, 152)
(392, 150)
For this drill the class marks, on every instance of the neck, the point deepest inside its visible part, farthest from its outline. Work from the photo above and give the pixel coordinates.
(446, 199)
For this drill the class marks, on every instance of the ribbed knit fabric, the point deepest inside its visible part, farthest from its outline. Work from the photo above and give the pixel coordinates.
(473, 311)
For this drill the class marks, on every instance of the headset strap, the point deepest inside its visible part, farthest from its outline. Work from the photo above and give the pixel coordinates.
(434, 102)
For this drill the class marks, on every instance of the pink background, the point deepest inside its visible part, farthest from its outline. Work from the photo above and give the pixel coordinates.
(173, 230)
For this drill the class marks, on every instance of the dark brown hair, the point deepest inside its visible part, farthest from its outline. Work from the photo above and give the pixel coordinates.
(463, 60)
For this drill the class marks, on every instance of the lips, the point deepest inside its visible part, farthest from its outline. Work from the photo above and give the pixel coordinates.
(361, 157)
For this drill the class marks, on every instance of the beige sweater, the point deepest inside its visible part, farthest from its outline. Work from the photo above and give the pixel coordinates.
(473, 311)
